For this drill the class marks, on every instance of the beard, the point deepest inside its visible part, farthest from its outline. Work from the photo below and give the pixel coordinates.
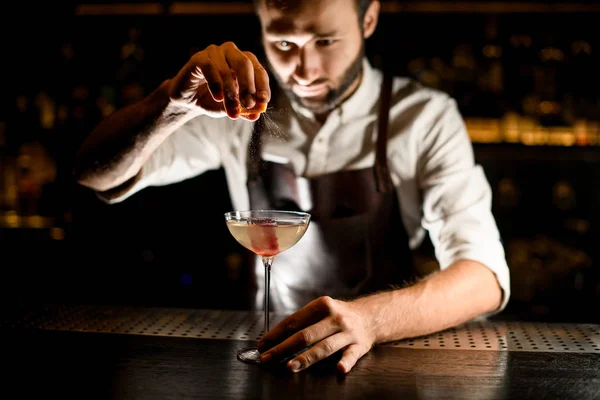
(333, 96)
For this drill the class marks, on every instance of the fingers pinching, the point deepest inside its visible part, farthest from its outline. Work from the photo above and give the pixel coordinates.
(244, 71)
(230, 86)
(204, 68)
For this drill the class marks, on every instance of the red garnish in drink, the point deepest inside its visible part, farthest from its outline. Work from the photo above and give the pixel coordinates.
(263, 237)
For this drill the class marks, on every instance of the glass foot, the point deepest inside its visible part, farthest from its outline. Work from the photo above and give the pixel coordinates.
(249, 355)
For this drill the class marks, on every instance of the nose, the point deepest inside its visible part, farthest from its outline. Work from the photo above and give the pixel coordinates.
(308, 66)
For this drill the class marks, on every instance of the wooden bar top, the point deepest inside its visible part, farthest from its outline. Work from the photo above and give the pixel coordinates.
(62, 363)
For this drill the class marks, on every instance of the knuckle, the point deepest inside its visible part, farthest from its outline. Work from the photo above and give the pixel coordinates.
(290, 325)
(342, 320)
(229, 45)
(198, 58)
(210, 48)
(328, 347)
(250, 55)
(327, 302)
(305, 337)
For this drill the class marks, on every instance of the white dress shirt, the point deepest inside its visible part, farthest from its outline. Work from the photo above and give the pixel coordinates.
(440, 188)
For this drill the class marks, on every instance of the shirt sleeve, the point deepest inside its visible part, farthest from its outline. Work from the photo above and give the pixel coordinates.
(457, 197)
(189, 151)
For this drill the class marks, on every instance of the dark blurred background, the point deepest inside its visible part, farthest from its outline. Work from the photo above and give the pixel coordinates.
(525, 75)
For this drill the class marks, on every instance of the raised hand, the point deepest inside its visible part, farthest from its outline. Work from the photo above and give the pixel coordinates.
(223, 81)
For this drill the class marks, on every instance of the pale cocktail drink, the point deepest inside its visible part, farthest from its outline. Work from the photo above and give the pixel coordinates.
(267, 237)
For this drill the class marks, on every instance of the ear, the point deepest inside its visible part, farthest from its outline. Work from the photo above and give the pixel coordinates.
(371, 18)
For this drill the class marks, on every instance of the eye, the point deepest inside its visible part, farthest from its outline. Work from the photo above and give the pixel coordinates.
(325, 42)
(283, 45)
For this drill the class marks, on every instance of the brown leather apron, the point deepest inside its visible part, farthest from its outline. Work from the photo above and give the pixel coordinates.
(356, 242)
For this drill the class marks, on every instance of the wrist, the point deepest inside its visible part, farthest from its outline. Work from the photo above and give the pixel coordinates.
(373, 310)
(391, 314)
(163, 99)
(170, 108)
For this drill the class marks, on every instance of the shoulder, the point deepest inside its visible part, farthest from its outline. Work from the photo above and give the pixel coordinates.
(411, 95)
(417, 107)
(409, 90)
(421, 114)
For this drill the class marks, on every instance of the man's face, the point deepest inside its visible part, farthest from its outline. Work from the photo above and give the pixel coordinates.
(314, 50)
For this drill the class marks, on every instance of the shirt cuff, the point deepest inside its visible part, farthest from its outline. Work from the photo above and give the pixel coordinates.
(117, 197)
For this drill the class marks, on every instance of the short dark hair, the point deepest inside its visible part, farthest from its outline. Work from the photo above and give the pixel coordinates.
(361, 9)
(361, 6)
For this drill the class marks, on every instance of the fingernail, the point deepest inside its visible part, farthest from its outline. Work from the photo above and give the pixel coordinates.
(231, 103)
(295, 365)
(215, 89)
(249, 100)
(265, 357)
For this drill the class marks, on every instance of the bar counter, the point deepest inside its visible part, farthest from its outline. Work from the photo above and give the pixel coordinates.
(119, 352)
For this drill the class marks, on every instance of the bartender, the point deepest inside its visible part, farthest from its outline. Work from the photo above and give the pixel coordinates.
(378, 161)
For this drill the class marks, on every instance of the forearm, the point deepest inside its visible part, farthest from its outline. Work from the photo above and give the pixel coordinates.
(118, 147)
(461, 292)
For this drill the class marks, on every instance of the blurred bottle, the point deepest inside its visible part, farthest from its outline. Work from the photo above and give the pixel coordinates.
(35, 173)
(491, 71)
(68, 70)
(549, 80)
(429, 72)
(581, 93)
(519, 70)
(130, 73)
(464, 79)
(8, 193)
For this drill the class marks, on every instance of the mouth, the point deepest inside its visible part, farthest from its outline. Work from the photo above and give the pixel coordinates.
(310, 91)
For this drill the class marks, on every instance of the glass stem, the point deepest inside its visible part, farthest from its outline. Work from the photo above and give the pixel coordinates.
(267, 261)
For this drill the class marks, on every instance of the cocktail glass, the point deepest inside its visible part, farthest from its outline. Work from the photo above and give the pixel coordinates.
(266, 233)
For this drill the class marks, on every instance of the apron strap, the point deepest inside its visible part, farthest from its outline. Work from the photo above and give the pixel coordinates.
(383, 179)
